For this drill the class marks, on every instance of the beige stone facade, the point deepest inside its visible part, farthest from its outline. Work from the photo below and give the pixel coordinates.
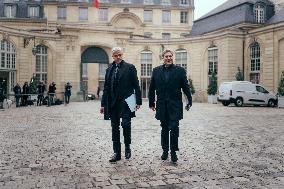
(66, 41)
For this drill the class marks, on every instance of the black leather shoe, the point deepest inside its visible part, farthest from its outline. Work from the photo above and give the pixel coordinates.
(127, 153)
(174, 157)
(116, 157)
(164, 155)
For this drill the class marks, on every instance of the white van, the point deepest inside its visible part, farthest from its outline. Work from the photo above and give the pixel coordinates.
(245, 92)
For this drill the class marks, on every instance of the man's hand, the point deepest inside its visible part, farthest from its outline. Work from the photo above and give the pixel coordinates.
(187, 107)
(137, 107)
(153, 108)
(102, 109)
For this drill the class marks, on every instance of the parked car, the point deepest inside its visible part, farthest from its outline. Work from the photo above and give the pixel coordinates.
(245, 92)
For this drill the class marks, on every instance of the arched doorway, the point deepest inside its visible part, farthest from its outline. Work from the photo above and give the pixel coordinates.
(94, 62)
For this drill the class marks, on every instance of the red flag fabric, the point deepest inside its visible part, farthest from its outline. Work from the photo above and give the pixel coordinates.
(96, 3)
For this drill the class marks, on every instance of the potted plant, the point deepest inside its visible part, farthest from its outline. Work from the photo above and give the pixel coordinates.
(239, 75)
(212, 89)
(190, 83)
(33, 88)
(281, 91)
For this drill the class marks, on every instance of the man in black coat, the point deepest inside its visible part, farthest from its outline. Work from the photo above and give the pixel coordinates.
(26, 90)
(168, 80)
(120, 82)
(17, 91)
(40, 92)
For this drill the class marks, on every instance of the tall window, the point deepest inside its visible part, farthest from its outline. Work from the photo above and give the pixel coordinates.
(212, 60)
(166, 17)
(61, 13)
(8, 55)
(254, 62)
(33, 11)
(41, 63)
(259, 13)
(148, 15)
(181, 58)
(146, 71)
(184, 17)
(83, 13)
(103, 14)
(10, 11)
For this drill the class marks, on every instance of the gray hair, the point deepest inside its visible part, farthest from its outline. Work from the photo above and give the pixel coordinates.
(115, 49)
(166, 51)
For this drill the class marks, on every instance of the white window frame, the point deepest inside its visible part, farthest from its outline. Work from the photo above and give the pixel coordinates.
(83, 13)
(212, 60)
(33, 11)
(184, 17)
(102, 71)
(146, 62)
(41, 69)
(166, 17)
(181, 58)
(259, 13)
(165, 2)
(103, 14)
(184, 2)
(10, 11)
(148, 16)
(61, 13)
(7, 55)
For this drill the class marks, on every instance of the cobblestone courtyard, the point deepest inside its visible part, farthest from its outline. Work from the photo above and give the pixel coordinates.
(69, 147)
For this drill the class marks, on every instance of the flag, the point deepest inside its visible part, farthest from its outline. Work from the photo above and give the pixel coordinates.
(96, 3)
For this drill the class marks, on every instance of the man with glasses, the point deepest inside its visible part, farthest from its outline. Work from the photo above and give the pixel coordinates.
(120, 83)
(167, 81)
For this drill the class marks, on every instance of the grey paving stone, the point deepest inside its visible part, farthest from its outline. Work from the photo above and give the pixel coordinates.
(69, 147)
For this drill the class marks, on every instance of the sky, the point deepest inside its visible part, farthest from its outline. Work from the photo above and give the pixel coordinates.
(204, 6)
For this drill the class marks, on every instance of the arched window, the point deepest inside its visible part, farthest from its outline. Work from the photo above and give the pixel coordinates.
(259, 14)
(41, 63)
(181, 58)
(146, 71)
(8, 55)
(254, 62)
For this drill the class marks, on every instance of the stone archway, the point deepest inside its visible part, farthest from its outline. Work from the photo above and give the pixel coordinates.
(94, 61)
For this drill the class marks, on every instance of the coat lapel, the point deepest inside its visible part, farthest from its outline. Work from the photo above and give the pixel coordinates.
(121, 71)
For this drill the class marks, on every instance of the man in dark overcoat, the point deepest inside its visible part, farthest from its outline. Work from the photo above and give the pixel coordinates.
(67, 92)
(26, 90)
(167, 81)
(17, 91)
(40, 92)
(120, 82)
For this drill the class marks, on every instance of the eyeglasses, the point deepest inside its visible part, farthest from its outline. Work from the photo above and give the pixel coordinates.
(117, 55)
(168, 56)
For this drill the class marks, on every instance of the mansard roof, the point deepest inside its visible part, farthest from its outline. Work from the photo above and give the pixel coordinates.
(278, 17)
(231, 13)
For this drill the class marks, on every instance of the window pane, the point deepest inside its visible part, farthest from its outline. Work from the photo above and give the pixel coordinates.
(148, 16)
(212, 61)
(83, 13)
(166, 17)
(103, 14)
(61, 13)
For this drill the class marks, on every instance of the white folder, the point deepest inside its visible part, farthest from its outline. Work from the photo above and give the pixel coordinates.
(131, 102)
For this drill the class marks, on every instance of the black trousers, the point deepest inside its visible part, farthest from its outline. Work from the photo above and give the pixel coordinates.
(115, 124)
(169, 132)
(67, 99)
(39, 99)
